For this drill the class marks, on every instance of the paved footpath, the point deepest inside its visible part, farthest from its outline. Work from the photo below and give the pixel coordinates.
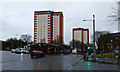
(87, 65)
(98, 65)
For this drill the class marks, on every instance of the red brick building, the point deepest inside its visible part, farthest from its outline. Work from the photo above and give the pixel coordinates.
(109, 42)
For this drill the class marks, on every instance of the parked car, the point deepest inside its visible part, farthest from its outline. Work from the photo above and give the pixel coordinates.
(27, 52)
(74, 51)
(13, 50)
(23, 50)
(17, 51)
(65, 52)
(37, 53)
(8, 49)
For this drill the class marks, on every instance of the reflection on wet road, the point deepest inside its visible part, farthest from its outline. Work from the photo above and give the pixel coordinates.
(12, 61)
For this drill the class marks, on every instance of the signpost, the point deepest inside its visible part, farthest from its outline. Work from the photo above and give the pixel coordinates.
(112, 48)
(94, 49)
(109, 44)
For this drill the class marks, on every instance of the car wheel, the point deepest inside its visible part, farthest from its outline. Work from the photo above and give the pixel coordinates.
(31, 56)
(37, 56)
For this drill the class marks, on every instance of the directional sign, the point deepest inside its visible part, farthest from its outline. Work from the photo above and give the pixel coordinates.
(109, 43)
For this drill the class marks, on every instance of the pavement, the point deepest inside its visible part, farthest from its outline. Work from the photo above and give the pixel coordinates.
(88, 65)
(105, 60)
(112, 61)
(101, 64)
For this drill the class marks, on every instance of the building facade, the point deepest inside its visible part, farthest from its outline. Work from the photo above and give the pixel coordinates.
(109, 42)
(82, 35)
(48, 26)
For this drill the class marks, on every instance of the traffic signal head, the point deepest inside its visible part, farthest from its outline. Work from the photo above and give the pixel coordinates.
(88, 47)
(39, 44)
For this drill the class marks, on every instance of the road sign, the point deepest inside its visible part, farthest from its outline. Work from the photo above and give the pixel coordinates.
(109, 43)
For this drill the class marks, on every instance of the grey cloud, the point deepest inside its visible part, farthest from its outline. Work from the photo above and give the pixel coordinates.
(18, 17)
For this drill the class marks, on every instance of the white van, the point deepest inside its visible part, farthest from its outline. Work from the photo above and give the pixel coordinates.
(74, 51)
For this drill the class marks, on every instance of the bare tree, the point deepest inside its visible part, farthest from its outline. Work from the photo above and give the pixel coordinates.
(42, 40)
(26, 38)
(56, 40)
(114, 16)
(13, 43)
(78, 45)
(98, 34)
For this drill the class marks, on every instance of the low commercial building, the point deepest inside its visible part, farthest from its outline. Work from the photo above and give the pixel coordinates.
(109, 42)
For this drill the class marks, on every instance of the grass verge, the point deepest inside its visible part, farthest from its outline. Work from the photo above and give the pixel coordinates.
(106, 55)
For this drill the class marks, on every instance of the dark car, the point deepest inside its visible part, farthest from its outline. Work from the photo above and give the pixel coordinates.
(66, 52)
(37, 53)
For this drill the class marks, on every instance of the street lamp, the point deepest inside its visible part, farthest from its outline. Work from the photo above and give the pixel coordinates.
(94, 49)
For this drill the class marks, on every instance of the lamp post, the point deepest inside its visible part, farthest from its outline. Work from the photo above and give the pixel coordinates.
(94, 49)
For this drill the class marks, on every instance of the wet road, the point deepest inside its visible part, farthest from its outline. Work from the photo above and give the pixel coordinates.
(12, 61)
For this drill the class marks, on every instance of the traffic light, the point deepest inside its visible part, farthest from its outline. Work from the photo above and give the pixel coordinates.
(39, 44)
(88, 47)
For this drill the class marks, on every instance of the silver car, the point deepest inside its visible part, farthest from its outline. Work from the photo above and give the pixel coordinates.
(27, 52)
(17, 51)
(13, 50)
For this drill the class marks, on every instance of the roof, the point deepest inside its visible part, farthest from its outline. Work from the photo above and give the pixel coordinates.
(79, 29)
(112, 34)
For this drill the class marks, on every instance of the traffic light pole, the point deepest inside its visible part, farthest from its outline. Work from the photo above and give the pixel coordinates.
(94, 49)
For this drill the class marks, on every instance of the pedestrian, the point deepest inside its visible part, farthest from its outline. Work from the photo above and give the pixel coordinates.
(84, 56)
(87, 56)
(100, 55)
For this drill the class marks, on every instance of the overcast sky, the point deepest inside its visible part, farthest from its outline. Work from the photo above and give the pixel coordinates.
(18, 17)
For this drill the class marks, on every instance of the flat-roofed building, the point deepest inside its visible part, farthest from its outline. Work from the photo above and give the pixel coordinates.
(80, 34)
(48, 26)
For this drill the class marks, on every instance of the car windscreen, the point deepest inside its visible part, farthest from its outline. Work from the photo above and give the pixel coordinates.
(35, 47)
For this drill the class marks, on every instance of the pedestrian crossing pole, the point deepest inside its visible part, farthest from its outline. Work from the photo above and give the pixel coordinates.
(94, 49)
(112, 49)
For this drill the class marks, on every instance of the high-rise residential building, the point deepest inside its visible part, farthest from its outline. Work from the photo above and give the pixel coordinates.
(119, 16)
(80, 34)
(48, 26)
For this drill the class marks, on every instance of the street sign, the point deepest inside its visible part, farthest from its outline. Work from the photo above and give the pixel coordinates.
(109, 43)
